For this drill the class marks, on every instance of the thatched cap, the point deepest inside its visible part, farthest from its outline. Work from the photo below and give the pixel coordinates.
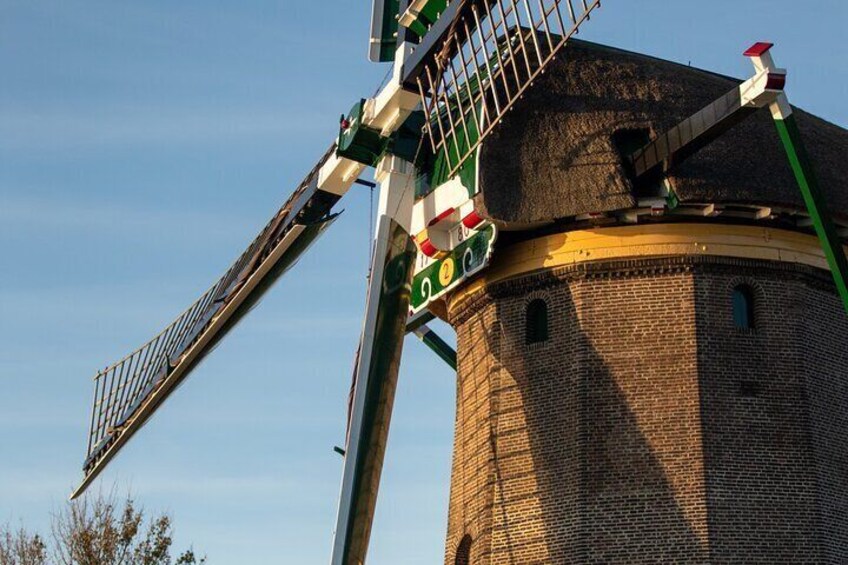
(553, 156)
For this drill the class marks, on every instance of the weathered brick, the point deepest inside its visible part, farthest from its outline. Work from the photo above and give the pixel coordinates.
(648, 428)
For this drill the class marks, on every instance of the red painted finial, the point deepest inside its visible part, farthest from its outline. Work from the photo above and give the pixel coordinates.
(758, 49)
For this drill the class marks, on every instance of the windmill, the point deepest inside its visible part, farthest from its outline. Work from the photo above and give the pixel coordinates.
(458, 68)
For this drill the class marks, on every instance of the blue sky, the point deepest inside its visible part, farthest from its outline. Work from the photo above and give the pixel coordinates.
(142, 145)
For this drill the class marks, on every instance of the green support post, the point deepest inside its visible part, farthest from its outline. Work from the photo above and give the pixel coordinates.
(437, 344)
(816, 204)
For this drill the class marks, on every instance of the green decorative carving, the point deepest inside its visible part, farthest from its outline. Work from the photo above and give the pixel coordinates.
(465, 260)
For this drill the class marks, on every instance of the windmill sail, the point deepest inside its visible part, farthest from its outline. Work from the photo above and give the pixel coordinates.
(127, 392)
(479, 58)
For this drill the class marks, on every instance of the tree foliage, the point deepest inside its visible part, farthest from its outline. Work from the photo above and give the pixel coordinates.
(19, 547)
(96, 531)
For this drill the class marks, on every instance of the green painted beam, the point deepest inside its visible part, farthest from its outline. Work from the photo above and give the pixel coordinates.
(815, 201)
(381, 345)
(389, 33)
(445, 352)
(427, 15)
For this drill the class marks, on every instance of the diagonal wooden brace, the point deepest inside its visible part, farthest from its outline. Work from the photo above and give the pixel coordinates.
(703, 127)
(764, 89)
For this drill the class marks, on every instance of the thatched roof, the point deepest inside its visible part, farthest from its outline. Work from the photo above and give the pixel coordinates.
(553, 155)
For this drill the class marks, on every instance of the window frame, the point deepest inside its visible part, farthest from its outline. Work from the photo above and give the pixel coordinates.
(743, 301)
(537, 322)
(462, 556)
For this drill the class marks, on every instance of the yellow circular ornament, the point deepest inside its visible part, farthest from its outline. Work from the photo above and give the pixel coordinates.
(446, 271)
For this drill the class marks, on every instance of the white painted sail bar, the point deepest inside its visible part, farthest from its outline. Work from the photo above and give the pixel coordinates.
(699, 129)
(378, 362)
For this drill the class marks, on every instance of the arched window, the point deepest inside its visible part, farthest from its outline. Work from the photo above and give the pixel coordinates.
(743, 307)
(537, 321)
(463, 552)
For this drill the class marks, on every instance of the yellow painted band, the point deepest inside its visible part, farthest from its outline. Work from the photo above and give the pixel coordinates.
(656, 240)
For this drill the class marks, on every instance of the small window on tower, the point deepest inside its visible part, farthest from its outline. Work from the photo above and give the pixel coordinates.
(463, 552)
(743, 307)
(537, 321)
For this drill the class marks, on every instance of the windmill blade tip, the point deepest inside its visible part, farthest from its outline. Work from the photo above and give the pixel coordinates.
(76, 493)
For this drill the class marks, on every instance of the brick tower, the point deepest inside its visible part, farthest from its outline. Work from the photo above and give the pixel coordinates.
(648, 374)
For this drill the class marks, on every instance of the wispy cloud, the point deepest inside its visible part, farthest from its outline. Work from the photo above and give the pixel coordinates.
(30, 418)
(244, 485)
(20, 485)
(153, 24)
(26, 129)
(37, 213)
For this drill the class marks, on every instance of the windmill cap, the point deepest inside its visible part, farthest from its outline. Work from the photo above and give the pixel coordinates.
(555, 155)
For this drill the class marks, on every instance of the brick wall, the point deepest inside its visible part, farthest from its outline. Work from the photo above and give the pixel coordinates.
(648, 428)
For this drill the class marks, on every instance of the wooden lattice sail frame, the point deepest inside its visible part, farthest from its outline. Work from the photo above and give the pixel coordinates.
(481, 62)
